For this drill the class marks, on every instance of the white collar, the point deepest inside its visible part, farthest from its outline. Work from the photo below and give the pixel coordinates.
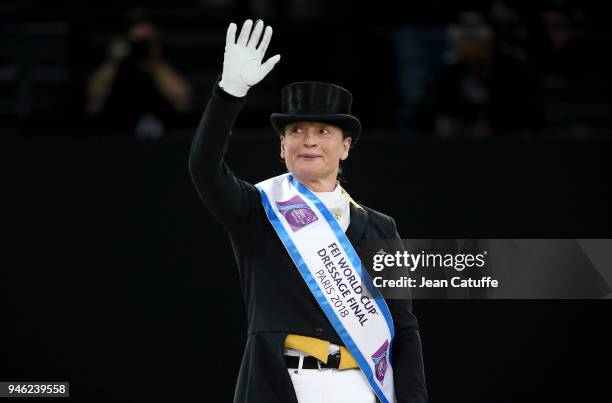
(337, 190)
(338, 203)
(336, 198)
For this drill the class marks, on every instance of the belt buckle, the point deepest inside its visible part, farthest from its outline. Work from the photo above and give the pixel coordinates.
(333, 361)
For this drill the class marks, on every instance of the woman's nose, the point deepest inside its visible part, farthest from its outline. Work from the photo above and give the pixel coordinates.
(310, 138)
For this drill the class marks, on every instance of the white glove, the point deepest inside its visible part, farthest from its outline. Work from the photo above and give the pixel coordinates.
(242, 66)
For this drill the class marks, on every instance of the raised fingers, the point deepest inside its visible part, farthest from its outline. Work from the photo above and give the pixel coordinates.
(256, 34)
(230, 36)
(244, 33)
(265, 41)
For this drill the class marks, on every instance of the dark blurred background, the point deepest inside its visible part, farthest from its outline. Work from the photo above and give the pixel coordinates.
(482, 119)
(476, 69)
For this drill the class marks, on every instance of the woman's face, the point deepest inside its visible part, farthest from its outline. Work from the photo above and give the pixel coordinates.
(313, 150)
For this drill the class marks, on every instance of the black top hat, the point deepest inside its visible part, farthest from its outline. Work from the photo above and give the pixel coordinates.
(317, 102)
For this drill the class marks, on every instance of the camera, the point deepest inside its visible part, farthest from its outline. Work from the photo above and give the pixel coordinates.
(138, 50)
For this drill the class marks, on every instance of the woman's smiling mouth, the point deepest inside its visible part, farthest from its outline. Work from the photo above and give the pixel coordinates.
(308, 156)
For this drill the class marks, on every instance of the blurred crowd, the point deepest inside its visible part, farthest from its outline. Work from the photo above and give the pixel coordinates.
(488, 71)
(502, 73)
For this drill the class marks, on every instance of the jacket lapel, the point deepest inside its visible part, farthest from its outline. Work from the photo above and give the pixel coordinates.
(356, 229)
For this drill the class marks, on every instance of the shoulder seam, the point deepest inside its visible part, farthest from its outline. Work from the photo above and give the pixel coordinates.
(355, 203)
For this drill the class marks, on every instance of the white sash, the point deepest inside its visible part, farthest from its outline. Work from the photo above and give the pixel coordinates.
(332, 270)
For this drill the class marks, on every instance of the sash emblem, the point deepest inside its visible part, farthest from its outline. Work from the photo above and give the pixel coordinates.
(296, 212)
(380, 361)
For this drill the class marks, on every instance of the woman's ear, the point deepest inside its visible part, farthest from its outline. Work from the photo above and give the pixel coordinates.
(282, 147)
(346, 145)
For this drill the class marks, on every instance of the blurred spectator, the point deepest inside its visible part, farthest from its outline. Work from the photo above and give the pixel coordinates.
(511, 34)
(562, 49)
(574, 75)
(481, 90)
(135, 91)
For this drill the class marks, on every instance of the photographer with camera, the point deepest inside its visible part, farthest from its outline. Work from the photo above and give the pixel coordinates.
(135, 91)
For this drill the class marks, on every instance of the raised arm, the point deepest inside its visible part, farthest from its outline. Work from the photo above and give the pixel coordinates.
(225, 195)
